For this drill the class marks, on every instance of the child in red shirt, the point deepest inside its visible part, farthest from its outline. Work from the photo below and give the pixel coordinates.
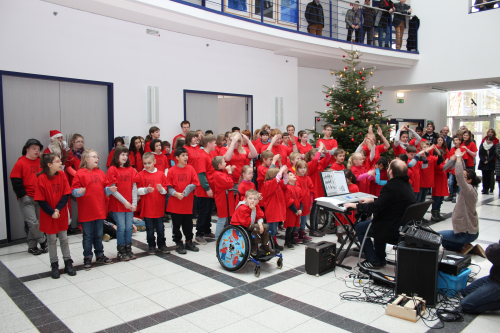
(75, 156)
(52, 194)
(294, 207)
(329, 142)
(135, 153)
(246, 180)
(24, 181)
(307, 187)
(440, 189)
(470, 148)
(223, 181)
(204, 192)
(380, 176)
(253, 222)
(339, 156)
(356, 165)
(427, 174)
(90, 189)
(268, 160)
(123, 202)
(118, 142)
(161, 159)
(292, 161)
(273, 193)
(167, 148)
(151, 184)
(181, 181)
(154, 133)
(302, 146)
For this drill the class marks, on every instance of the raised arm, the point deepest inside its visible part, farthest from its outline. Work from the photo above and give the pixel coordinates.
(230, 150)
(417, 137)
(253, 151)
(387, 145)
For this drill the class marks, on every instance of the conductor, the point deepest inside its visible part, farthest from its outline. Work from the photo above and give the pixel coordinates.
(388, 210)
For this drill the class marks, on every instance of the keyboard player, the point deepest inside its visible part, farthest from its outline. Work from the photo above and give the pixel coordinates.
(388, 210)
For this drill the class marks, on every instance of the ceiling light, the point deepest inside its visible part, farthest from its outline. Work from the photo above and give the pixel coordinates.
(400, 95)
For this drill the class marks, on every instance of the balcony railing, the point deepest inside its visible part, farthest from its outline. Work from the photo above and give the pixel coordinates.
(339, 20)
(483, 5)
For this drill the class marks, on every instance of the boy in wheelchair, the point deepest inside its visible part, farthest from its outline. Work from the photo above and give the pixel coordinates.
(249, 215)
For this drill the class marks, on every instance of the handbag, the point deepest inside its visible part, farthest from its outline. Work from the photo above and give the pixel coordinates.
(377, 18)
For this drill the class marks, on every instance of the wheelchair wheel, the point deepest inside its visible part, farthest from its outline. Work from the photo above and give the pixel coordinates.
(233, 248)
(256, 271)
(279, 263)
(323, 219)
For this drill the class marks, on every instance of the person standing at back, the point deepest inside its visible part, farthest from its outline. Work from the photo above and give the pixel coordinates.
(399, 21)
(384, 25)
(369, 15)
(353, 22)
(315, 18)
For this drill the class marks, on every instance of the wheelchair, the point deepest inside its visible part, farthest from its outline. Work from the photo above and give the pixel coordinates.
(234, 246)
(233, 250)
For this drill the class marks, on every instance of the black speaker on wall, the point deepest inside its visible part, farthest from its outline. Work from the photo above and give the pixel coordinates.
(417, 273)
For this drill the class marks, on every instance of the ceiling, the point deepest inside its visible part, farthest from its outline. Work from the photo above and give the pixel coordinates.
(449, 86)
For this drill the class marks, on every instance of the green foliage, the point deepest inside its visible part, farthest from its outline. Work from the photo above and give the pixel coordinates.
(344, 99)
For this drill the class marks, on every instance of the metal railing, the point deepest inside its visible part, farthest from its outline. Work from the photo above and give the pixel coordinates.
(337, 19)
(482, 5)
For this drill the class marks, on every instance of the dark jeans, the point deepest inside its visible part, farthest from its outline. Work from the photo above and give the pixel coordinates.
(423, 193)
(417, 197)
(313, 222)
(349, 34)
(374, 250)
(438, 201)
(151, 224)
(204, 222)
(481, 296)
(368, 30)
(186, 222)
(455, 242)
(92, 235)
(487, 180)
(387, 37)
(195, 206)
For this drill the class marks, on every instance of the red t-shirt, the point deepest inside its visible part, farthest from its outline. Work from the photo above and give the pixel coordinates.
(283, 150)
(239, 160)
(307, 187)
(245, 186)
(304, 149)
(337, 167)
(329, 143)
(398, 150)
(470, 159)
(110, 157)
(179, 178)
(452, 152)
(193, 156)
(26, 170)
(293, 196)
(223, 181)
(427, 174)
(123, 178)
(51, 191)
(204, 164)
(152, 204)
(412, 143)
(176, 137)
(136, 161)
(274, 195)
(92, 204)
(147, 148)
(440, 188)
(243, 216)
(161, 162)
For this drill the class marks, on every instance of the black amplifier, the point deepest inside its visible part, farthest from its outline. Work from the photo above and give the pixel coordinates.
(454, 264)
(320, 258)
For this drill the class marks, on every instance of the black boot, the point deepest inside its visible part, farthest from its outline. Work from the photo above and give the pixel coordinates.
(122, 253)
(130, 254)
(288, 238)
(44, 247)
(449, 198)
(68, 267)
(438, 215)
(55, 270)
(434, 217)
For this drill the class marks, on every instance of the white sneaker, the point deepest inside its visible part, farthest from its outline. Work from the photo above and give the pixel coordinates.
(200, 240)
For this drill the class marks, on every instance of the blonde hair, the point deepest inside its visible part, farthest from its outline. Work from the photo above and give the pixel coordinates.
(220, 137)
(241, 150)
(243, 170)
(353, 157)
(252, 192)
(275, 132)
(294, 155)
(300, 164)
(266, 154)
(85, 156)
(265, 126)
(256, 134)
(310, 155)
(148, 155)
(271, 173)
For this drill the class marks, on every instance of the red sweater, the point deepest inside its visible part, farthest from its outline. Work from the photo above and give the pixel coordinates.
(440, 188)
(293, 196)
(427, 174)
(274, 196)
(222, 181)
(152, 204)
(307, 187)
(243, 215)
(51, 191)
(204, 165)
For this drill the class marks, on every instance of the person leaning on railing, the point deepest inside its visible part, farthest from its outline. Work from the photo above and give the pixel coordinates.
(369, 15)
(353, 22)
(384, 24)
(399, 21)
(315, 17)
(486, 5)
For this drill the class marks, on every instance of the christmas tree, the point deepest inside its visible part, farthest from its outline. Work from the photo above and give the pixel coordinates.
(352, 107)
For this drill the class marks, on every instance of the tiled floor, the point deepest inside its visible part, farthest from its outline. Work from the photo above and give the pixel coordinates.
(193, 293)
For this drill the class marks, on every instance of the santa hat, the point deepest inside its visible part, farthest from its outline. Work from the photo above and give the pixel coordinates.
(55, 134)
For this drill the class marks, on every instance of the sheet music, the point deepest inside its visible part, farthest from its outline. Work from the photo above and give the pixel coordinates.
(334, 183)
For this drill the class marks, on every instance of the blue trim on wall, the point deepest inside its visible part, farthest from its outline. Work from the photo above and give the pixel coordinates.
(111, 131)
(285, 29)
(186, 91)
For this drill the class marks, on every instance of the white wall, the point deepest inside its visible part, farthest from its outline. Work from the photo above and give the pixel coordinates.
(232, 113)
(77, 44)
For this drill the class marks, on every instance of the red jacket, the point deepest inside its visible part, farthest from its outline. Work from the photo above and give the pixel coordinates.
(427, 174)
(363, 185)
(307, 187)
(274, 196)
(222, 181)
(440, 188)
(242, 215)
(293, 196)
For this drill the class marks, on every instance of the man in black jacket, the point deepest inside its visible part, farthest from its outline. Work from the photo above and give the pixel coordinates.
(388, 211)
(315, 17)
(429, 134)
(369, 15)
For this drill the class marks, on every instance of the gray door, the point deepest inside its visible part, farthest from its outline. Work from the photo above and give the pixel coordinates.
(33, 107)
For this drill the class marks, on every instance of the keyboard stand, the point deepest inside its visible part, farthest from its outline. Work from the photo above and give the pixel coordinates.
(350, 237)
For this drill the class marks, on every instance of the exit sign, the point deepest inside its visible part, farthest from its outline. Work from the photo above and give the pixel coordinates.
(400, 100)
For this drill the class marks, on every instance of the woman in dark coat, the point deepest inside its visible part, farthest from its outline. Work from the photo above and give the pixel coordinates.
(487, 154)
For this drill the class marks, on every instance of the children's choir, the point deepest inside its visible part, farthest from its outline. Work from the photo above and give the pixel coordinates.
(272, 178)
